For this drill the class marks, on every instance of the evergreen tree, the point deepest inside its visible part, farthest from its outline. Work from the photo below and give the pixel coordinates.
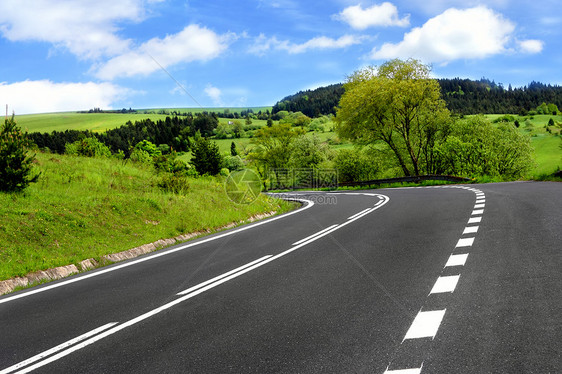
(16, 165)
(206, 157)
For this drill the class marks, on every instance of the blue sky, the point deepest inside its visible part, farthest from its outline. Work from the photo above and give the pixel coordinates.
(75, 55)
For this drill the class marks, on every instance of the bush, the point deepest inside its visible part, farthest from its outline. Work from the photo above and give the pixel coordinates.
(16, 166)
(355, 165)
(88, 147)
(174, 183)
(233, 163)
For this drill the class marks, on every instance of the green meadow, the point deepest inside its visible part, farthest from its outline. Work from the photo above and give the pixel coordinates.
(87, 207)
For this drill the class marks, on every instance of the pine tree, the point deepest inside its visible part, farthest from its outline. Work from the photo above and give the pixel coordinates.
(16, 165)
(206, 157)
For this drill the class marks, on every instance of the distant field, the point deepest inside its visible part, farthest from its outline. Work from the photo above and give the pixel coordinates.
(547, 145)
(96, 122)
(99, 122)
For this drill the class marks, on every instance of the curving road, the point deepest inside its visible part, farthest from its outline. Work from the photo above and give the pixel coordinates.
(458, 279)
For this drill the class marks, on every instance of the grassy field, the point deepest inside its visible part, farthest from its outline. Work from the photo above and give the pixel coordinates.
(85, 207)
(99, 122)
(547, 151)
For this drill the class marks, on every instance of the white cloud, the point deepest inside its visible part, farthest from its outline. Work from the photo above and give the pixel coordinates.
(193, 43)
(455, 34)
(263, 44)
(385, 14)
(214, 93)
(45, 96)
(87, 28)
(531, 46)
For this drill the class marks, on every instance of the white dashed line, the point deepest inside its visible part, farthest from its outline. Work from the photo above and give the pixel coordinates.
(470, 230)
(425, 324)
(445, 284)
(465, 242)
(457, 260)
(404, 371)
(475, 220)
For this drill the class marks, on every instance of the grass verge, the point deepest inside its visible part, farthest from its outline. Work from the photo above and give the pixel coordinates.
(86, 208)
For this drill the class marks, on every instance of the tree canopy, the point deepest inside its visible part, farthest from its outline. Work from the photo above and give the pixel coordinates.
(397, 104)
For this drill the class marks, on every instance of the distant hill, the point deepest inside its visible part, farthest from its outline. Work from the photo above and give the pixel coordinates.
(463, 96)
(313, 103)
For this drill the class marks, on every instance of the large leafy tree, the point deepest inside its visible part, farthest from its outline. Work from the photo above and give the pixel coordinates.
(273, 146)
(397, 104)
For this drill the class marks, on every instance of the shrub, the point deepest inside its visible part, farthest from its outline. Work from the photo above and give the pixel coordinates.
(354, 165)
(16, 166)
(174, 183)
(233, 163)
(88, 147)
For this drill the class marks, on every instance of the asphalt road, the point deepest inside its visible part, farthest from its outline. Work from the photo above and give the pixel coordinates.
(463, 279)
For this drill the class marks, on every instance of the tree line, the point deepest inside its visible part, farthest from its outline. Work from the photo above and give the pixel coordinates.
(173, 132)
(462, 96)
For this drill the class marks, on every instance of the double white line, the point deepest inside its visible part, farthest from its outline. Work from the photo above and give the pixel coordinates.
(104, 331)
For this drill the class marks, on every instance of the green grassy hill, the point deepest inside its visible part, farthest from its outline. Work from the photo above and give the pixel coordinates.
(88, 207)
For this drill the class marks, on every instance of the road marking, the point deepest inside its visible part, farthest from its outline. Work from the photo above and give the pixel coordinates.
(445, 284)
(425, 325)
(404, 371)
(358, 214)
(154, 255)
(478, 212)
(465, 242)
(479, 206)
(470, 230)
(475, 220)
(200, 285)
(187, 294)
(457, 260)
(313, 235)
(56, 349)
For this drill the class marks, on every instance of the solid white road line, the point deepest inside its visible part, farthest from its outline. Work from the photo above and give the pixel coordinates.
(465, 242)
(224, 275)
(470, 230)
(358, 214)
(313, 235)
(445, 284)
(56, 349)
(425, 324)
(156, 254)
(457, 260)
(187, 294)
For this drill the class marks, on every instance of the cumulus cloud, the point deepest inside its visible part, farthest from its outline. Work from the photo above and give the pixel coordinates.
(385, 14)
(531, 46)
(214, 93)
(193, 43)
(86, 28)
(263, 44)
(46, 96)
(473, 33)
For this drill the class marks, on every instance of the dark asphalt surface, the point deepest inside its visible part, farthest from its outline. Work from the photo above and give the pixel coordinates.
(340, 304)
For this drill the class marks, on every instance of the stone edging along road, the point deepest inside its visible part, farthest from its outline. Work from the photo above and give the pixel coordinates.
(37, 277)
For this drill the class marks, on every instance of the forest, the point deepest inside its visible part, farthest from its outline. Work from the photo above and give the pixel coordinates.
(462, 96)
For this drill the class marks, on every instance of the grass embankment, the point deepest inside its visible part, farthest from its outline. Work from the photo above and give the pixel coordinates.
(86, 208)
